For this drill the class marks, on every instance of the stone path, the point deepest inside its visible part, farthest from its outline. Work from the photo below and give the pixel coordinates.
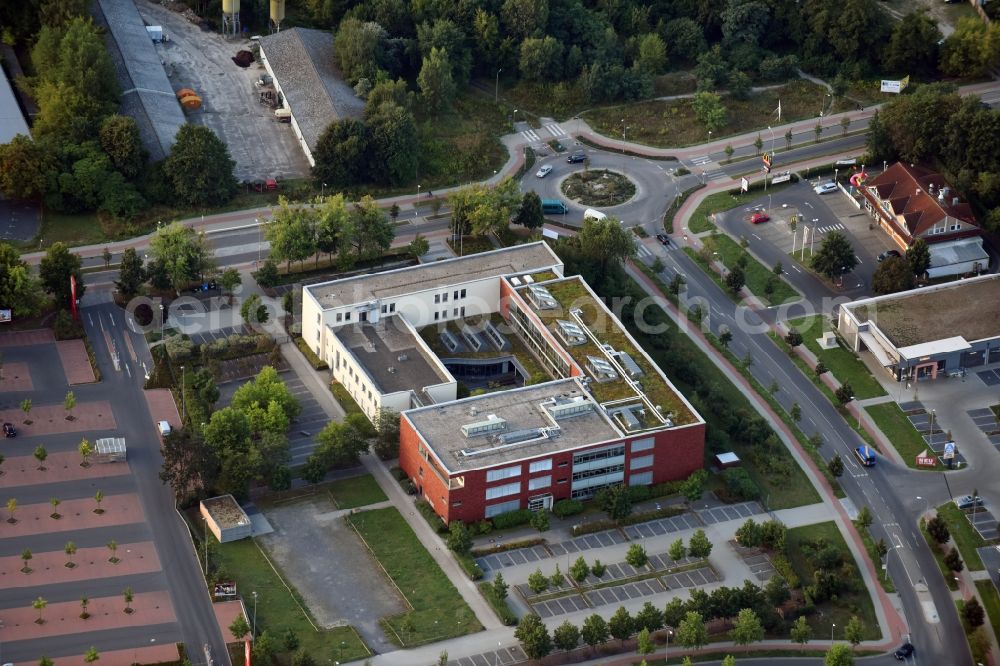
(49, 568)
(75, 362)
(15, 377)
(51, 419)
(105, 613)
(23, 470)
(77, 514)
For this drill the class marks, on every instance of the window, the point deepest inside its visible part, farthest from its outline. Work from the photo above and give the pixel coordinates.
(318, 317)
(385, 308)
(444, 297)
(599, 454)
(502, 507)
(444, 314)
(640, 462)
(420, 472)
(561, 481)
(641, 479)
(463, 310)
(540, 466)
(540, 482)
(463, 293)
(340, 316)
(392, 307)
(501, 474)
(437, 315)
(455, 295)
(563, 464)
(437, 298)
(454, 312)
(503, 491)
(642, 445)
(347, 316)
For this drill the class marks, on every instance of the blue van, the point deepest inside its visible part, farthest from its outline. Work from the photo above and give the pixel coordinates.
(865, 455)
(554, 206)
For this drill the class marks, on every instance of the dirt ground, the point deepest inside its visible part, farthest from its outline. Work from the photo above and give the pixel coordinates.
(201, 60)
(331, 568)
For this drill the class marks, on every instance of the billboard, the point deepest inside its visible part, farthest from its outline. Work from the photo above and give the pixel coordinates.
(890, 86)
(5, 315)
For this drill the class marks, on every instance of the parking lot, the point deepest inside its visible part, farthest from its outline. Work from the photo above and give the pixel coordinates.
(261, 146)
(987, 422)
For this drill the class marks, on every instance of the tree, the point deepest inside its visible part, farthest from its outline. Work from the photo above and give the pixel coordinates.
(131, 274)
(98, 498)
(712, 70)
(972, 49)
(698, 545)
(864, 519)
(973, 614)
(113, 549)
(367, 231)
(788, 140)
(253, 311)
(540, 520)
(341, 154)
(919, 256)
(120, 140)
(649, 617)
(598, 569)
(758, 144)
(953, 560)
(844, 393)
(25, 167)
(735, 279)
(937, 527)
(500, 587)
(748, 534)
(556, 580)
(615, 500)
(747, 629)
(836, 465)
(230, 279)
(303, 658)
(818, 130)
(70, 550)
(677, 550)
(579, 570)
(11, 509)
(777, 591)
(801, 631)
(26, 408)
(740, 85)
(418, 247)
(795, 412)
(913, 46)
(393, 133)
(292, 233)
(26, 557)
(793, 338)
(708, 109)
(530, 215)
(566, 636)
(538, 582)
(200, 167)
(55, 502)
(729, 150)
(183, 252)
(595, 630)
(360, 49)
(459, 539)
(729, 660)
(39, 605)
(534, 637)
(45, 661)
(636, 556)
(437, 88)
(129, 597)
(839, 655)
(854, 632)
(40, 455)
(652, 57)
(892, 275)
(691, 632)
(85, 450)
(620, 625)
(69, 402)
(19, 290)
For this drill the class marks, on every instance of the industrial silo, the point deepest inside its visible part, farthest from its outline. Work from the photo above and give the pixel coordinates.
(277, 14)
(230, 17)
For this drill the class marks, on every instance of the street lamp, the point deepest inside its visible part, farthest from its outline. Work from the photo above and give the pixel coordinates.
(256, 221)
(416, 204)
(183, 396)
(666, 646)
(253, 635)
(496, 87)
(161, 321)
(513, 117)
(832, 627)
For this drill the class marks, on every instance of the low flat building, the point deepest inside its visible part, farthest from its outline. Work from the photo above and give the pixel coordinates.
(300, 61)
(593, 411)
(927, 332)
(12, 121)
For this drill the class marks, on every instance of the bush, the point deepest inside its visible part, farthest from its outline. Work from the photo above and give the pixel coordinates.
(594, 526)
(638, 493)
(65, 328)
(663, 512)
(498, 605)
(512, 519)
(427, 511)
(469, 566)
(178, 347)
(739, 484)
(315, 361)
(510, 545)
(567, 507)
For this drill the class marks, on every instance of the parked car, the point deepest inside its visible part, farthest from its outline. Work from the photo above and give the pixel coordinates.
(825, 188)
(664, 239)
(759, 217)
(904, 652)
(889, 253)
(577, 157)
(544, 171)
(9, 430)
(968, 501)
(164, 428)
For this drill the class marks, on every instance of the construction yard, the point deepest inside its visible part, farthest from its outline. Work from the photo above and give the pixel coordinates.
(201, 60)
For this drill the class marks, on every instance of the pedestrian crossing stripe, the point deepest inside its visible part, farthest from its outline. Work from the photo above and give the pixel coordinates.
(704, 159)
(832, 227)
(531, 135)
(644, 251)
(555, 130)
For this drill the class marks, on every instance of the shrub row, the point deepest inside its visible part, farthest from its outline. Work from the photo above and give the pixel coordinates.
(427, 511)
(510, 545)
(469, 566)
(594, 526)
(498, 605)
(315, 361)
(567, 507)
(654, 514)
(512, 519)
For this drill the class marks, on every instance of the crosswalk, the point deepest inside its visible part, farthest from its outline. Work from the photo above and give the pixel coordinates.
(643, 251)
(709, 167)
(829, 228)
(552, 129)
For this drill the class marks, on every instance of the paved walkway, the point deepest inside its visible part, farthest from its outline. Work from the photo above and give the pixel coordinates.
(75, 362)
(15, 377)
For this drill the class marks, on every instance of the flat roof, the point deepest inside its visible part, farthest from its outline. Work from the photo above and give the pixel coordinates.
(12, 122)
(967, 308)
(225, 511)
(314, 89)
(522, 411)
(392, 355)
(434, 275)
(147, 94)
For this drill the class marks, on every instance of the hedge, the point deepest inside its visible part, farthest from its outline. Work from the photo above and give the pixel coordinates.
(499, 606)
(594, 526)
(567, 507)
(512, 519)
(510, 545)
(315, 361)
(469, 566)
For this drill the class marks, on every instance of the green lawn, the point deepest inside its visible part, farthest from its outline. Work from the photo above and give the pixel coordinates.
(280, 608)
(883, 575)
(991, 602)
(854, 601)
(966, 539)
(757, 274)
(946, 573)
(899, 431)
(356, 491)
(439, 612)
(842, 362)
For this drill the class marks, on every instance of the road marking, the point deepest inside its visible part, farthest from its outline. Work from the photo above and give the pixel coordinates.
(91, 319)
(128, 371)
(756, 236)
(807, 204)
(859, 259)
(531, 135)
(555, 130)
(797, 269)
(112, 318)
(100, 320)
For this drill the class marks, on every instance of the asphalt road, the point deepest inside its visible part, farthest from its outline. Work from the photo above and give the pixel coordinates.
(888, 490)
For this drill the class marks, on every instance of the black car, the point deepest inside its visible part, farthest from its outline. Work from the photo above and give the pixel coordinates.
(904, 652)
(576, 157)
(889, 253)
(664, 239)
(9, 430)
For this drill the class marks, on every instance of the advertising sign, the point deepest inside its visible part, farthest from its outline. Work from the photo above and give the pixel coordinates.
(766, 159)
(889, 86)
(5, 315)
(744, 184)
(949, 450)
(782, 178)
(924, 460)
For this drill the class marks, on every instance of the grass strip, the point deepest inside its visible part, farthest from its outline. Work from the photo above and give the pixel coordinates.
(499, 606)
(437, 610)
(946, 573)
(842, 362)
(883, 574)
(966, 538)
(356, 491)
(347, 402)
(757, 274)
(899, 431)
(991, 602)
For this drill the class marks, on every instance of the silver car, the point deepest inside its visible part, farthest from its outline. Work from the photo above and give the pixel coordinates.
(825, 188)
(544, 171)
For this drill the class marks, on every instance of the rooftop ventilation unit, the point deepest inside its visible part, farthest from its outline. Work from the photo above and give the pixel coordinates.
(632, 368)
(528, 279)
(518, 436)
(627, 419)
(516, 281)
(570, 333)
(601, 369)
(403, 357)
(493, 423)
(541, 297)
(563, 408)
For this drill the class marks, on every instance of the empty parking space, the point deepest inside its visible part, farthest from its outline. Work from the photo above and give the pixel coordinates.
(560, 606)
(984, 522)
(721, 514)
(206, 337)
(616, 595)
(693, 578)
(990, 377)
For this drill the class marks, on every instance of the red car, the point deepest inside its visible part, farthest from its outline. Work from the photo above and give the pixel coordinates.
(759, 217)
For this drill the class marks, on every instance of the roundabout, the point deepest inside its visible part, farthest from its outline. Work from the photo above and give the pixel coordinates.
(598, 188)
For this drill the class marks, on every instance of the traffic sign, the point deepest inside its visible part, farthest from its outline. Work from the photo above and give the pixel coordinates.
(766, 158)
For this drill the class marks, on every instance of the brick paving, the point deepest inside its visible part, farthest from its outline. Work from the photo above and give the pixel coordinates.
(91, 564)
(51, 419)
(23, 470)
(63, 618)
(162, 406)
(225, 613)
(38, 336)
(77, 514)
(16, 377)
(156, 654)
(75, 362)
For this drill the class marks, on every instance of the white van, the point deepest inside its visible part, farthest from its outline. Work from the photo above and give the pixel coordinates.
(591, 214)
